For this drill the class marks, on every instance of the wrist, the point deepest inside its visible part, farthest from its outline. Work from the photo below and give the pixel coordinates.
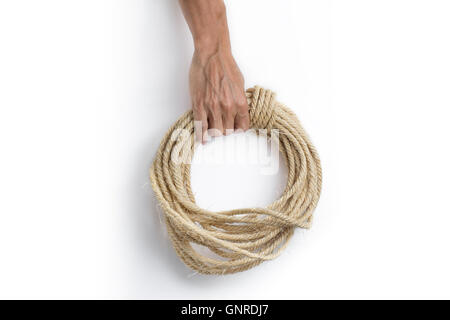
(213, 38)
(211, 35)
(211, 45)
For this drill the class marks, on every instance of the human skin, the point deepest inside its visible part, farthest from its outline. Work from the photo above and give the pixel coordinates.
(216, 84)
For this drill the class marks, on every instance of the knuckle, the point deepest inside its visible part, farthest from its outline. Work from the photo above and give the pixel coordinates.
(211, 100)
(197, 107)
(216, 111)
(213, 105)
(213, 116)
(242, 105)
(228, 106)
(204, 125)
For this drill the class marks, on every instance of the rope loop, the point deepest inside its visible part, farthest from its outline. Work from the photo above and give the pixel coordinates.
(241, 238)
(262, 108)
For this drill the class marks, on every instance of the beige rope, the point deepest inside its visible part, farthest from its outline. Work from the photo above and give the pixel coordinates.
(243, 238)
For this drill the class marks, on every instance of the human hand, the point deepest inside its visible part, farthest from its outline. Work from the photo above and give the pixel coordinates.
(218, 94)
(216, 83)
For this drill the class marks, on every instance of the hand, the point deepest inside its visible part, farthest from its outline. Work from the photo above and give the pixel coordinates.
(216, 83)
(217, 93)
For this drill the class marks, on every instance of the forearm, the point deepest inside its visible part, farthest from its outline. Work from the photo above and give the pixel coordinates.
(208, 24)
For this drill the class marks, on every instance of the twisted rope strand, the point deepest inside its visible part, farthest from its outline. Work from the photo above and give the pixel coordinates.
(242, 238)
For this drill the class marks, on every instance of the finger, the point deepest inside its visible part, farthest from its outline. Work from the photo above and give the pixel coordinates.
(242, 121)
(229, 110)
(242, 118)
(228, 115)
(204, 136)
(200, 123)
(215, 123)
(228, 123)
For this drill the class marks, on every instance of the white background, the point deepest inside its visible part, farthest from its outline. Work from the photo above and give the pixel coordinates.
(89, 87)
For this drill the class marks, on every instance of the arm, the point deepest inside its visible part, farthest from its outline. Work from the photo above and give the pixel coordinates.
(216, 83)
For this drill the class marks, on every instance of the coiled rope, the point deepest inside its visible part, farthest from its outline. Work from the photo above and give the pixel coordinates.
(242, 238)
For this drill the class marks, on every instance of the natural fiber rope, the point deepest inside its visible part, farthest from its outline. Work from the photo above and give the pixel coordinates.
(243, 238)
